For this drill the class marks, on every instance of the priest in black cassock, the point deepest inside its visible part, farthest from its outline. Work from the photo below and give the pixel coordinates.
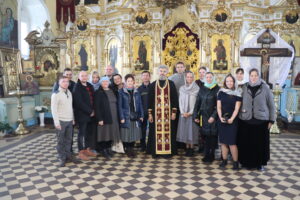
(162, 108)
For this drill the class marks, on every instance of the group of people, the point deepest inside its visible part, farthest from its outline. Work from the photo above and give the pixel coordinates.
(176, 112)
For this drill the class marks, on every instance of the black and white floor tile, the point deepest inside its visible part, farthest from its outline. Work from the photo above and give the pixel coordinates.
(28, 170)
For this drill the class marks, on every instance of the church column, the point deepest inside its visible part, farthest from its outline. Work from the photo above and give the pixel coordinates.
(101, 51)
(237, 27)
(93, 56)
(157, 53)
(204, 44)
(127, 53)
(63, 53)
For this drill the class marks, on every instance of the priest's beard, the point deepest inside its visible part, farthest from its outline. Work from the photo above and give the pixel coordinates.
(162, 78)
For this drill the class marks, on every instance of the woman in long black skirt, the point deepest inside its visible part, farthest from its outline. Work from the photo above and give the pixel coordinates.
(257, 115)
(106, 110)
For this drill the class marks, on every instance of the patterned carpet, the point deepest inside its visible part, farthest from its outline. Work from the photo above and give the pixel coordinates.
(28, 170)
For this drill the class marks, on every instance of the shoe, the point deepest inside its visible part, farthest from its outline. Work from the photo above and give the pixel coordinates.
(133, 153)
(110, 152)
(62, 163)
(143, 148)
(82, 155)
(261, 168)
(192, 152)
(223, 164)
(201, 149)
(89, 152)
(154, 156)
(235, 165)
(73, 160)
(168, 156)
(187, 152)
(206, 159)
(105, 154)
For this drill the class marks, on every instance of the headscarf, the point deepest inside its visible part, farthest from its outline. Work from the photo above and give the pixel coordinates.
(240, 82)
(258, 82)
(212, 84)
(236, 92)
(187, 97)
(104, 78)
(95, 85)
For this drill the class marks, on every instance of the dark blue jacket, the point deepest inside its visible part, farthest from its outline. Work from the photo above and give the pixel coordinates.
(124, 107)
(144, 90)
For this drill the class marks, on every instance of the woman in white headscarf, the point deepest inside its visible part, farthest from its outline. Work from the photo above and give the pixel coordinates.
(95, 80)
(228, 105)
(188, 130)
(257, 114)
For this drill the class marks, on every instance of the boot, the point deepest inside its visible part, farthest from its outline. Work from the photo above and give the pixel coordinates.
(206, 158)
(192, 152)
(110, 152)
(62, 163)
(127, 151)
(187, 152)
(235, 165)
(223, 164)
(105, 154)
(133, 154)
(212, 156)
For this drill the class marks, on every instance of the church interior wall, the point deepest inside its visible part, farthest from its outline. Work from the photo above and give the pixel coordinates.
(116, 20)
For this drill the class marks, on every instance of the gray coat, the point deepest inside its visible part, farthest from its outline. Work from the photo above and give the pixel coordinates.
(260, 107)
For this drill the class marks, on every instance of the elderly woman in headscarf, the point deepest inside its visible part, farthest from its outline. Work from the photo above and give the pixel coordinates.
(106, 110)
(188, 130)
(257, 115)
(95, 80)
(205, 113)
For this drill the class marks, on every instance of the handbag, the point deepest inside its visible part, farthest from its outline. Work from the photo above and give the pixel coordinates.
(134, 116)
(118, 147)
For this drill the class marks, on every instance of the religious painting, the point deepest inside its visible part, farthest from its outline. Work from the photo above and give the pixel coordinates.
(47, 63)
(296, 72)
(291, 16)
(142, 53)
(181, 44)
(141, 17)
(29, 84)
(220, 55)
(220, 15)
(83, 56)
(9, 24)
(28, 66)
(10, 67)
(113, 54)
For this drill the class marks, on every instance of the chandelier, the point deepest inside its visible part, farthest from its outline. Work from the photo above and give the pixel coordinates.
(171, 4)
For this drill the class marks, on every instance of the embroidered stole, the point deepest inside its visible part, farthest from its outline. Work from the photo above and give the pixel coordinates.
(163, 118)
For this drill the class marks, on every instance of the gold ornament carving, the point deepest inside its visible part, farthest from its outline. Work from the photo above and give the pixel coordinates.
(181, 48)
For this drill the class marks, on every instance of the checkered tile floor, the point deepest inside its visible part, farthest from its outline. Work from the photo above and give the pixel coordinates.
(29, 171)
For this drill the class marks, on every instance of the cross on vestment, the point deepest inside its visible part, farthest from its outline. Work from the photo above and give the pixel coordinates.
(265, 54)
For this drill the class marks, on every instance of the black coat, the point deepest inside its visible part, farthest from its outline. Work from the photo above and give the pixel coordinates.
(83, 107)
(102, 107)
(206, 106)
(199, 83)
